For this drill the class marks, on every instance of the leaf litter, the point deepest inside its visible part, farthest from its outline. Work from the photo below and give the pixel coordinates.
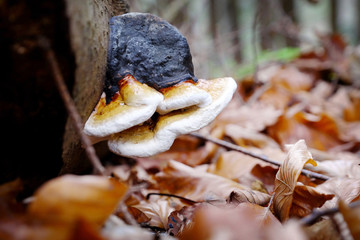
(302, 115)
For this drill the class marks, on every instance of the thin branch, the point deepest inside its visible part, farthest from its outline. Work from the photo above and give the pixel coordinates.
(70, 105)
(312, 218)
(261, 157)
(171, 195)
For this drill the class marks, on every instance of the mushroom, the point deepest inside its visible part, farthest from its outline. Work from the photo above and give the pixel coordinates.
(151, 94)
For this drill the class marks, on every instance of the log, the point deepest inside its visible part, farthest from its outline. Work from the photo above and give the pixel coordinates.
(89, 28)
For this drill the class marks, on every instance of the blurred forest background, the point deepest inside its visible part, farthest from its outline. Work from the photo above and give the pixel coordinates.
(224, 34)
(227, 38)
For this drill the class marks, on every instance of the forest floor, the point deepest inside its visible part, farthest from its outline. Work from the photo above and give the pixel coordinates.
(281, 161)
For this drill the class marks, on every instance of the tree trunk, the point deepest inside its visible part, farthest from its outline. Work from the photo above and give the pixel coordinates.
(89, 28)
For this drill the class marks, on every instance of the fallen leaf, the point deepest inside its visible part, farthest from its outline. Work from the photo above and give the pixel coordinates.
(247, 137)
(85, 230)
(179, 179)
(68, 198)
(156, 212)
(352, 218)
(324, 229)
(232, 165)
(198, 153)
(8, 202)
(338, 168)
(246, 221)
(116, 229)
(256, 116)
(237, 197)
(286, 184)
(347, 189)
(266, 175)
(320, 131)
(178, 219)
(305, 199)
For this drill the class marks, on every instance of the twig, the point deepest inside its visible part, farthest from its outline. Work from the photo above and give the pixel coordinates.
(171, 195)
(70, 105)
(261, 157)
(312, 218)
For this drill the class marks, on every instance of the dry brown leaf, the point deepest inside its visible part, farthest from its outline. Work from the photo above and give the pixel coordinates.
(266, 174)
(232, 165)
(292, 79)
(157, 212)
(320, 131)
(351, 113)
(237, 197)
(116, 229)
(347, 189)
(248, 137)
(69, 198)
(352, 218)
(188, 150)
(305, 199)
(256, 116)
(338, 168)
(246, 221)
(178, 219)
(182, 180)
(324, 229)
(286, 181)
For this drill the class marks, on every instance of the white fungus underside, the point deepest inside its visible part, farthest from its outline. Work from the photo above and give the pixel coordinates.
(120, 122)
(193, 97)
(165, 136)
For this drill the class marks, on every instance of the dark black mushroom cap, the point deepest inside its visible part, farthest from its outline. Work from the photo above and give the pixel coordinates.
(148, 48)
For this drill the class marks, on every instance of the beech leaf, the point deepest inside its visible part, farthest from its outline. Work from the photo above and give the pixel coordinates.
(347, 189)
(157, 212)
(352, 218)
(68, 198)
(179, 179)
(287, 176)
(246, 221)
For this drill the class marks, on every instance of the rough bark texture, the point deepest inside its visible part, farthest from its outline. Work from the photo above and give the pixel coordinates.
(89, 27)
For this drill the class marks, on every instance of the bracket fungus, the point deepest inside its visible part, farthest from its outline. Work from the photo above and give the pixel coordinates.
(151, 94)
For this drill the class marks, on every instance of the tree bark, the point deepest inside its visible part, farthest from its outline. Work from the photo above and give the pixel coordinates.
(89, 28)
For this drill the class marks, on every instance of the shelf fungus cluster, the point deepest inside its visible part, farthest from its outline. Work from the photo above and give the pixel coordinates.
(151, 94)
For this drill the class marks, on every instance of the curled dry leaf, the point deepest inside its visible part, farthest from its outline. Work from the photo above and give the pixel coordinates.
(286, 195)
(190, 183)
(69, 198)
